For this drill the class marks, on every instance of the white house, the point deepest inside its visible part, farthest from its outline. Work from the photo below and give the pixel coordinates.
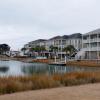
(90, 45)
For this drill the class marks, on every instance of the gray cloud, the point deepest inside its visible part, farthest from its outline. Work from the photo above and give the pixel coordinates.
(25, 20)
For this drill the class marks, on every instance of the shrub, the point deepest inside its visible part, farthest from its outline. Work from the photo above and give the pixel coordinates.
(16, 84)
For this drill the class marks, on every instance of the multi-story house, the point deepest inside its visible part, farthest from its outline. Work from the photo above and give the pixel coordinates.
(64, 41)
(33, 44)
(75, 40)
(87, 44)
(91, 44)
(52, 42)
(59, 41)
(39, 42)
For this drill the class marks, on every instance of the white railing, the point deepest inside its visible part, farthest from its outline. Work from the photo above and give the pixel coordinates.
(92, 49)
(91, 40)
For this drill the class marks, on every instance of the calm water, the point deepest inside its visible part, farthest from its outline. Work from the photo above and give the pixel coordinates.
(16, 68)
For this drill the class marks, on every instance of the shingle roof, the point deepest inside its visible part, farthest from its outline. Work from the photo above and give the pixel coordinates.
(56, 37)
(93, 32)
(76, 35)
(65, 37)
(72, 36)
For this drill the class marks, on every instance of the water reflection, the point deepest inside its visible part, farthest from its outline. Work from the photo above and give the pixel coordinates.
(51, 69)
(16, 68)
(4, 69)
(31, 70)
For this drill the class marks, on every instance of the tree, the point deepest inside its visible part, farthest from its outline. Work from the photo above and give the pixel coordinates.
(39, 49)
(42, 48)
(53, 48)
(32, 49)
(23, 49)
(69, 50)
(4, 48)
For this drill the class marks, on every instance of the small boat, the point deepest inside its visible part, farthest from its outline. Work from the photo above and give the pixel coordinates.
(40, 57)
(58, 64)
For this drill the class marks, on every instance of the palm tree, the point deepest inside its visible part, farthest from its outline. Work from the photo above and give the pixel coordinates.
(53, 48)
(23, 49)
(42, 48)
(39, 49)
(69, 50)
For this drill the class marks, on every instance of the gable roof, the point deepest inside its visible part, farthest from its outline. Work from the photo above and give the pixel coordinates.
(93, 32)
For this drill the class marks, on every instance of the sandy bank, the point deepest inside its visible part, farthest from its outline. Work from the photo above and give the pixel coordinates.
(85, 92)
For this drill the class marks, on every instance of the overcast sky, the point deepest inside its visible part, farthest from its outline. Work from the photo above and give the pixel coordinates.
(22, 21)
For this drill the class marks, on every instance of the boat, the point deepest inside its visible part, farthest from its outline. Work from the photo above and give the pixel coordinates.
(58, 64)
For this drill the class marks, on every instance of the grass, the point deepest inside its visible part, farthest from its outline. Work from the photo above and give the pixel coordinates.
(85, 63)
(17, 84)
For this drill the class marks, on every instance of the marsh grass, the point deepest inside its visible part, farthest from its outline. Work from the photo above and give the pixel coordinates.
(17, 84)
(85, 63)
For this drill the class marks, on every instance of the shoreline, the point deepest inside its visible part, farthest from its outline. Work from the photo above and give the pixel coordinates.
(85, 63)
(66, 93)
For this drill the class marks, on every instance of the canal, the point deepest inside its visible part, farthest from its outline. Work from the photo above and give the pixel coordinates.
(16, 68)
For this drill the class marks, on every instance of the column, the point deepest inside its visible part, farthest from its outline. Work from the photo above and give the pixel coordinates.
(61, 49)
(89, 48)
(97, 46)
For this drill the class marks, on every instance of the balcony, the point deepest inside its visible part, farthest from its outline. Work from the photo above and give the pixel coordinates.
(91, 40)
(92, 49)
(85, 41)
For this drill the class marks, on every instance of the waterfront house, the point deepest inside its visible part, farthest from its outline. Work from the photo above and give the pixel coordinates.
(91, 44)
(59, 42)
(14, 53)
(64, 41)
